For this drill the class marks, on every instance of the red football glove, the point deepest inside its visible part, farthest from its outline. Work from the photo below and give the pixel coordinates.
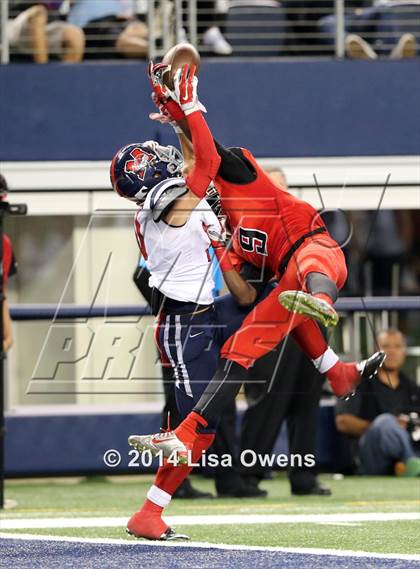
(218, 243)
(162, 96)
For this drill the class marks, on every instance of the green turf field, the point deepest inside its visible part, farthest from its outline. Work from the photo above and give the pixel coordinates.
(120, 496)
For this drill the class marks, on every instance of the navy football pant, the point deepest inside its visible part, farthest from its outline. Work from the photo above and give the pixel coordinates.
(191, 343)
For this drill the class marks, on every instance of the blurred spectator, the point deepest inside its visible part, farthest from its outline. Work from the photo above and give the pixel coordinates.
(378, 415)
(384, 239)
(358, 48)
(415, 248)
(35, 29)
(386, 27)
(278, 176)
(304, 17)
(9, 269)
(209, 26)
(111, 28)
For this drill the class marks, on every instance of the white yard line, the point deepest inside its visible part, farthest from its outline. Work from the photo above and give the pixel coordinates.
(45, 523)
(204, 545)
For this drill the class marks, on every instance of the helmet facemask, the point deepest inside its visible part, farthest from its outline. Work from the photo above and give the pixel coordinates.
(169, 154)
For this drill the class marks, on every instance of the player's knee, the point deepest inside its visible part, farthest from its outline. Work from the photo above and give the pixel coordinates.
(386, 422)
(73, 35)
(317, 283)
(136, 29)
(74, 40)
(38, 14)
(132, 42)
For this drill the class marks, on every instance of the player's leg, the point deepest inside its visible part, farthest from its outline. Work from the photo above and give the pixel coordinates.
(193, 351)
(321, 270)
(132, 41)
(71, 38)
(148, 522)
(261, 331)
(344, 377)
(229, 316)
(193, 354)
(30, 31)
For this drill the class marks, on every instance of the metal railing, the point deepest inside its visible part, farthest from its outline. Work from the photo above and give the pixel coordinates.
(379, 304)
(361, 318)
(257, 28)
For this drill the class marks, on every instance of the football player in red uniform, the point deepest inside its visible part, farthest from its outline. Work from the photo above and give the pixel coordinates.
(273, 230)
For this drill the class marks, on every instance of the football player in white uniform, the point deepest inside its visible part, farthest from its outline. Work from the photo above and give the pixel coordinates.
(174, 230)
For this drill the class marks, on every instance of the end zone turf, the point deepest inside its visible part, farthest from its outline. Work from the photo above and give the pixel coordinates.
(373, 515)
(50, 552)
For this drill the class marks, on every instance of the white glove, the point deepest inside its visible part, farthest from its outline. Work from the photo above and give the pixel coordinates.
(185, 90)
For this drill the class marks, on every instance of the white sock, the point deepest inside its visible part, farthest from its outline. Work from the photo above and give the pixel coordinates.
(326, 360)
(158, 496)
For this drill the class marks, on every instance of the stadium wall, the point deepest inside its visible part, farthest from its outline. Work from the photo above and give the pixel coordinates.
(76, 443)
(277, 108)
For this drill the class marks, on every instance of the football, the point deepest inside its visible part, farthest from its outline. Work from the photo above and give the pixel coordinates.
(178, 56)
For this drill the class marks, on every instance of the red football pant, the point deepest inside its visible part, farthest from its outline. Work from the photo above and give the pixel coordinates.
(269, 322)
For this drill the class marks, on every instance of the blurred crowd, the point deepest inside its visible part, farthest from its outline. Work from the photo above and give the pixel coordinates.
(74, 30)
(381, 248)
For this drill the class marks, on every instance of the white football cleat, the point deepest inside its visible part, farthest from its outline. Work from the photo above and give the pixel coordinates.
(167, 444)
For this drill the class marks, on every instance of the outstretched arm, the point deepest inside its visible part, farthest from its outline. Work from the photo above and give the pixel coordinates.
(234, 167)
(187, 151)
(206, 158)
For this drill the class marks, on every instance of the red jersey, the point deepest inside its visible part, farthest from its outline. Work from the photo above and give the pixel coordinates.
(9, 265)
(266, 221)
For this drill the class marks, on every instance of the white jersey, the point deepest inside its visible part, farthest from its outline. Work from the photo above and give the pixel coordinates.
(178, 257)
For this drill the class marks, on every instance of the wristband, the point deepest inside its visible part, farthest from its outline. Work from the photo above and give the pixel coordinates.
(223, 258)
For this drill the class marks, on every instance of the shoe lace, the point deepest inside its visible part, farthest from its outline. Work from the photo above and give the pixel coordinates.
(164, 435)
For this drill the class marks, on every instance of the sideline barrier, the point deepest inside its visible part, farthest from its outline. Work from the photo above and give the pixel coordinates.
(68, 311)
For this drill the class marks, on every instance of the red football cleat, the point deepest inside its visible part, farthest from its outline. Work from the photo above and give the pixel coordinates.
(345, 377)
(147, 524)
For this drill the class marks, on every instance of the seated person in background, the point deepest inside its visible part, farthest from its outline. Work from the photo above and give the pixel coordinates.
(111, 28)
(385, 253)
(378, 414)
(386, 26)
(35, 29)
(208, 22)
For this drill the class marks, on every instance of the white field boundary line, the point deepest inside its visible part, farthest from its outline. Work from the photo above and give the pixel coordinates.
(205, 545)
(46, 523)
